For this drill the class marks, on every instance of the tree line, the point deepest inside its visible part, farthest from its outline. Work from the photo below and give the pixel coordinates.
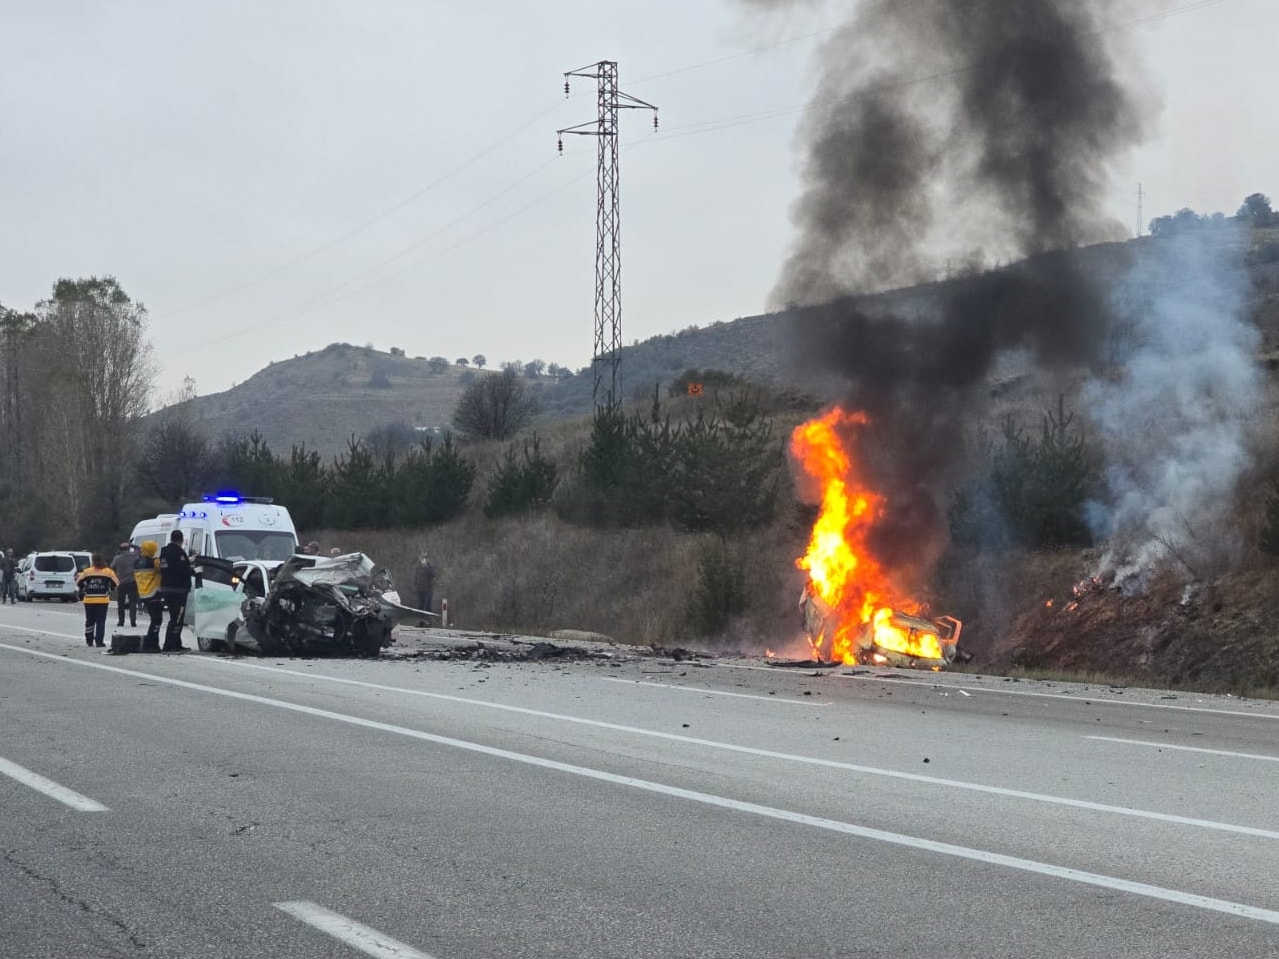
(1255, 212)
(77, 376)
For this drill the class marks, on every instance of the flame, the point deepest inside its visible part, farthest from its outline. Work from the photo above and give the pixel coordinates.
(859, 598)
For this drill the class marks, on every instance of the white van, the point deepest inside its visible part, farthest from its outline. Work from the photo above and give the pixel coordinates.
(226, 526)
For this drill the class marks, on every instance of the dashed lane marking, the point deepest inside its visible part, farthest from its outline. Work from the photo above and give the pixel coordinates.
(51, 789)
(356, 935)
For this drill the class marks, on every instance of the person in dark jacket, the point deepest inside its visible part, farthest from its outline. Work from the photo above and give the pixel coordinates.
(127, 593)
(175, 589)
(95, 583)
(424, 582)
(8, 578)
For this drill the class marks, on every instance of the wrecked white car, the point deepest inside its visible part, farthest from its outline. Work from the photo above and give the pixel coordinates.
(307, 605)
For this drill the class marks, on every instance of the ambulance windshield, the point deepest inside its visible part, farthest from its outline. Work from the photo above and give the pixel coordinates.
(242, 544)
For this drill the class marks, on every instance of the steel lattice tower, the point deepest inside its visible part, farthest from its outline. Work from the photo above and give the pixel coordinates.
(606, 359)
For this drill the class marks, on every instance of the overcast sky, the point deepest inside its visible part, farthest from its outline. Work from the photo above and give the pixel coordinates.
(272, 176)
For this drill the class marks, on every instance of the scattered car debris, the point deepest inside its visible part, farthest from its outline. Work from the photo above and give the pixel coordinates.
(514, 651)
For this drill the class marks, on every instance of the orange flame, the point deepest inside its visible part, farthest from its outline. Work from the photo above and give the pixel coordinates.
(861, 602)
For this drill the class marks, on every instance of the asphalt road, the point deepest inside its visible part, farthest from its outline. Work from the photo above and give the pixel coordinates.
(201, 806)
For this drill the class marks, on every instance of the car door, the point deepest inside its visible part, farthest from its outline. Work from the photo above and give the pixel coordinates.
(215, 600)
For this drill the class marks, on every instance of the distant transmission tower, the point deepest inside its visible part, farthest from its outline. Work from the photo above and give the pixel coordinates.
(606, 359)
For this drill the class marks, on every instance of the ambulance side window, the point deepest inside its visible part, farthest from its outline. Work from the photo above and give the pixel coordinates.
(195, 546)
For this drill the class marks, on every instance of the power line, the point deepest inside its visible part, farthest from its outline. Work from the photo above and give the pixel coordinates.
(340, 292)
(360, 228)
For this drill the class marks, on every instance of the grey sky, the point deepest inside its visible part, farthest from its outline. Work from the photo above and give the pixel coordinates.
(269, 177)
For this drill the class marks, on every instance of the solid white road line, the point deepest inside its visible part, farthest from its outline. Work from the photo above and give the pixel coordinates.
(1187, 749)
(47, 786)
(1236, 909)
(369, 941)
(1093, 699)
(713, 692)
(771, 754)
(762, 753)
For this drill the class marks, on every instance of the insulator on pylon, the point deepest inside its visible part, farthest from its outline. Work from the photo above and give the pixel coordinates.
(654, 120)
(566, 88)
(559, 145)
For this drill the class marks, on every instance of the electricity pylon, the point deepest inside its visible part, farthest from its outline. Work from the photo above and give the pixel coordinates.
(606, 359)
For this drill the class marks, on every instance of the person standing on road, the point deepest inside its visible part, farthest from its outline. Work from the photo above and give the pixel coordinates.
(175, 589)
(8, 577)
(424, 582)
(146, 577)
(127, 593)
(94, 584)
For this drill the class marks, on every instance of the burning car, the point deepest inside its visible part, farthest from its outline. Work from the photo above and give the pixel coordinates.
(854, 607)
(891, 637)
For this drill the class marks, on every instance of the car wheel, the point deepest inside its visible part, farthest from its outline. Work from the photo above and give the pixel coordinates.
(207, 644)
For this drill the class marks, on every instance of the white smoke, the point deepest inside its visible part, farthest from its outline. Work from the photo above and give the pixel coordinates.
(1173, 420)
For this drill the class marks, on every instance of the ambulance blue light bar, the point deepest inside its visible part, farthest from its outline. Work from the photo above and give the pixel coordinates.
(233, 499)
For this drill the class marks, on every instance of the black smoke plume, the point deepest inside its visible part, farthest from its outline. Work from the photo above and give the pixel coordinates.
(942, 131)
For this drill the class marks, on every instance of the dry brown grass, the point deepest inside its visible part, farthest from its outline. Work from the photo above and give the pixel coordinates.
(538, 574)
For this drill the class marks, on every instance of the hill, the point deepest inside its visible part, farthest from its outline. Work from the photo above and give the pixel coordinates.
(322, 399)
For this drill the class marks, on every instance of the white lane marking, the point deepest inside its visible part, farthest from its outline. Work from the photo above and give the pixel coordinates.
(1187, 749)
(47, 786)
(364, 938)
(1093, 699)
(745, 750)
(712, 692)
(771, 754)
(1240, 910)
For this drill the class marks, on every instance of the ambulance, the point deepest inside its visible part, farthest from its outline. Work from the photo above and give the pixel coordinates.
(226, 526)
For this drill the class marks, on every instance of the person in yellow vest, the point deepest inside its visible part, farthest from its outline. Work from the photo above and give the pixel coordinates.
(94, 584)
(146, 574)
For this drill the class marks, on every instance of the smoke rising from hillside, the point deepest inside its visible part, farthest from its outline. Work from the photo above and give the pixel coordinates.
(1174, 425)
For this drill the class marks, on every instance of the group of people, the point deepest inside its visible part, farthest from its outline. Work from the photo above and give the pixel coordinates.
(156, 579)
(160, 580)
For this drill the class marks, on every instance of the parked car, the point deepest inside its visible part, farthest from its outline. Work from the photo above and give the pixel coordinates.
(50, 575)
(20, 577)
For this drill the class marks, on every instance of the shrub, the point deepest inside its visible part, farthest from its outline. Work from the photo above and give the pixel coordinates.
(719, 593)
(521, 486)
(1268, 539)
(713, 473)
(1032, 493)
(494, 407)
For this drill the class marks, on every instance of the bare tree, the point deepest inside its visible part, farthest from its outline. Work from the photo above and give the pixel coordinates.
(495, 406)
(94, 376)
(176, 459)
